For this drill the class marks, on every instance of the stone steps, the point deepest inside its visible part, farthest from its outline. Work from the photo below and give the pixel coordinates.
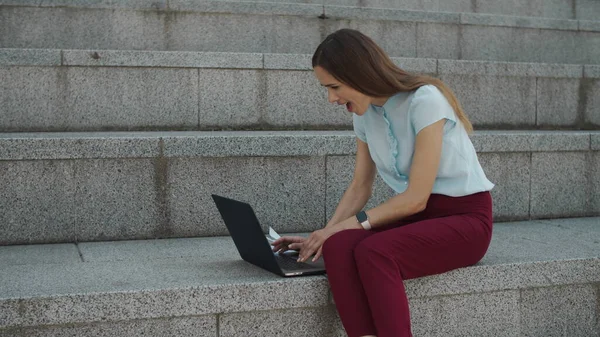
(297, 28)
(99, 90)
(75, 187)
(564, 9)
(539, 278)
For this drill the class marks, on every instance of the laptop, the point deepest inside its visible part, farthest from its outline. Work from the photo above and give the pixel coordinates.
(253, 246)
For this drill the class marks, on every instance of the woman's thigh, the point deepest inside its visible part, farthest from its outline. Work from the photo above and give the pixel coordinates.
(432, 246)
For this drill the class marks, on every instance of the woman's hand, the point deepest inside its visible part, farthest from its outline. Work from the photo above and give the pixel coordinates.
(286, 243)
(314, 244)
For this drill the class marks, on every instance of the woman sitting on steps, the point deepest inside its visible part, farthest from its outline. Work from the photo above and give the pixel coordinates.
(413, 132)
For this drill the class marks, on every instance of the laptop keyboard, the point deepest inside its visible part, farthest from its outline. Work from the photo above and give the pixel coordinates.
(286, 262)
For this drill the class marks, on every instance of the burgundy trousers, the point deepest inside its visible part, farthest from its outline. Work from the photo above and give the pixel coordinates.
(366, 269)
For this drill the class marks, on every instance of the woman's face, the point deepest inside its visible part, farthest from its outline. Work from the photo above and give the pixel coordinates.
(342, 94)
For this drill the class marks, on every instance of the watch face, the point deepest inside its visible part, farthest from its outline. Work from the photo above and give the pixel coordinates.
(361, 216)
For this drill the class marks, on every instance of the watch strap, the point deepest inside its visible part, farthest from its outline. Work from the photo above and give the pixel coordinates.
(363, 219)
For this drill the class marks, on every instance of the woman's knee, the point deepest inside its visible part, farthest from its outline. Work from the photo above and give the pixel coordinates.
(343, 242)
(367, 250)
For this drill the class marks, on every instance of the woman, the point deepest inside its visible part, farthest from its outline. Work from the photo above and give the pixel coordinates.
(413, 132)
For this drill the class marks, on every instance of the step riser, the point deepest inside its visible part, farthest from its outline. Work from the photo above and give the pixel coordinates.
(151, 196)
(75, 98)
(575, 9)
(449, 36)
(561, 9)
(570, 310)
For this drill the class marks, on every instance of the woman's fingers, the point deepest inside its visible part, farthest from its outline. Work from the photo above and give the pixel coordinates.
(285, 243)
(306, 252)
(318, 254)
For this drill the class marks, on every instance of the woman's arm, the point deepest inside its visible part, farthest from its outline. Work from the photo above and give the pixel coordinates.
(423, 171)
(359, 191)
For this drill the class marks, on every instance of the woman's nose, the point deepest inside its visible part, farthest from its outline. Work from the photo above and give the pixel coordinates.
(332, 97)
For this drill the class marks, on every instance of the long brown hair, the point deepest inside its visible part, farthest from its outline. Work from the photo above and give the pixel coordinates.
(356, 60)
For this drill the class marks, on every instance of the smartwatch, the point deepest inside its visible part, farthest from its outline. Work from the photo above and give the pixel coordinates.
(363, 220)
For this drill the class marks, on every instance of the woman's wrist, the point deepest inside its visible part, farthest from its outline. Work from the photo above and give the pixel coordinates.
(349, 223)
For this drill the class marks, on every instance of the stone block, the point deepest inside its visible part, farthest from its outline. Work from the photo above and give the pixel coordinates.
(517, 21)
(560, 185)
(231, 98)
(370, 13)
(153, 98)
(595, 177)
(397, 38)
(595, 141)
(557, 102)
(587, 9)
(288, 61)
(244, 7)
(416, 65)
(212, 248)
(282, 196)
(79, 99)
(514, 69)
(134, 290)
(523, 45)
(58, 201)
(559, 311)
(296, 99)
(293, 323)
(590, 26)
(591, 91)
(243, 33)
(543, 240)
(530, 141)
(38, 254)
(435, 40)
(29, 57)
(29, 97)
(259, 143)
(415, 5)
(196, 326)
(591, 71)
(568, 47)
(510, 172)
(171, 59)
(80, 28)
(486, 105)
(560, 9)
(75, 145)
(466, 315)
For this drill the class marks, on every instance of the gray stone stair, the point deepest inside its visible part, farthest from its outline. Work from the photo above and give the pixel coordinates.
(295, 28)
(106, 108)
(538, 279)
(75, 187)
(98, 90)
(569, 9)
(558, 9)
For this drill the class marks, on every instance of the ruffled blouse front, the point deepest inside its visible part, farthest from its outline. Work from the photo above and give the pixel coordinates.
(390, 132)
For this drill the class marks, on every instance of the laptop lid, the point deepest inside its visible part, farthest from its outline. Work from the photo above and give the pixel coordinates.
(252, 244)
(246, 233)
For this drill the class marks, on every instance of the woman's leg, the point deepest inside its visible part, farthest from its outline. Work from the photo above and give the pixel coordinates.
(427, 247)
(350, 299)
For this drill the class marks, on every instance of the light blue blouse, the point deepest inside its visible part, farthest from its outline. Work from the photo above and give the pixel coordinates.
(390, 132)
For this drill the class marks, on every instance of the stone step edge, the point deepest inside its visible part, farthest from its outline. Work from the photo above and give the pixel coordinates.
(209, 299)
(97, 145)
(333, 12)
(268, 61)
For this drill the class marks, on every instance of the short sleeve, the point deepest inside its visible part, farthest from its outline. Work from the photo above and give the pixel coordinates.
(428, 106)
(359, 127)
